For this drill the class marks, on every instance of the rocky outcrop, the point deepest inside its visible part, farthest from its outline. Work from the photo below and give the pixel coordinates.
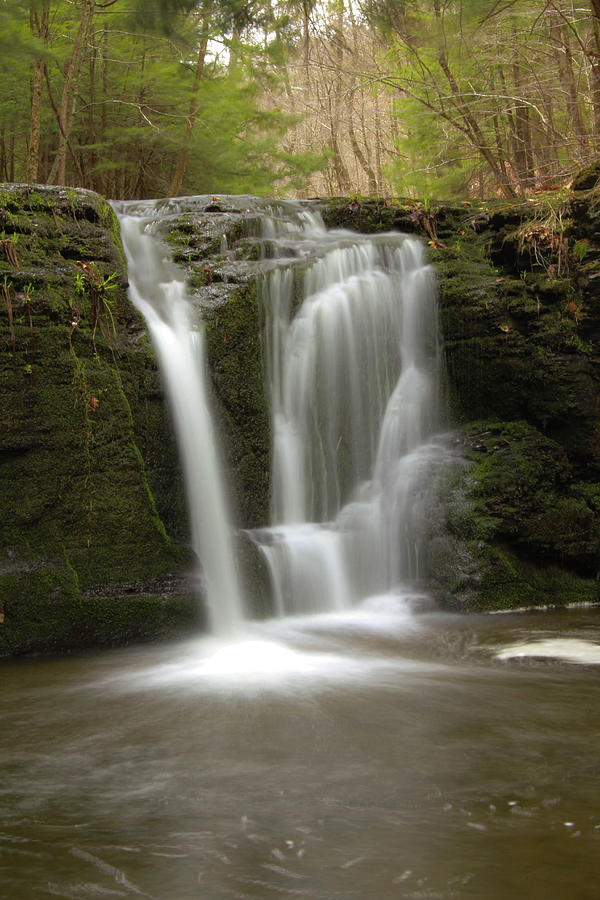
(89, 479)
(519, 521)
(217, 244)
(94, 533)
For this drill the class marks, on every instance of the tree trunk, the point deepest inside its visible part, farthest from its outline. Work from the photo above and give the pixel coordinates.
(91, 156)
(594, 58)
(41, 23)
(559, 39)
(306, 10)
(378, 147)
(523, 152)
(61, 129)
(363, 157)
(59, 165)
(33, 154)
(501, 152)
(470, 125)
(3, 169)
(336, 103)
(179, 175)
(341, 172)
(107, 177)
(11, 171)
(360, 156)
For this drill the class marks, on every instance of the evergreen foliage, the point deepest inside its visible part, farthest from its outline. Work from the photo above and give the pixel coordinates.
(437, 98)
(117, 98)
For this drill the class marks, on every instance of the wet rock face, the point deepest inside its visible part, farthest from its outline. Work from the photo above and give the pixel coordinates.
(91, 505)
(87, 463)
(518, 522)
(217, 242)
(519, 325)
(521, 321)
(525, 528)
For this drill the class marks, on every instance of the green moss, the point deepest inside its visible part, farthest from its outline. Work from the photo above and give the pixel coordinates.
(234, 349)
(73, 483)
(116, 619)
(515, 528)
(44, 612)
(509, 582)
(109, 221)
(158, 524)
(523, 491)
(477, 576)
(36, 603)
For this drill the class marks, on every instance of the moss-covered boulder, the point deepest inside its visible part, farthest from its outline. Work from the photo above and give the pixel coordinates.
(516, 529)
(84, 438)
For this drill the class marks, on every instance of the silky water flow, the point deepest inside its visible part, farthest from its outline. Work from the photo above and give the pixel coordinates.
(158, 291)
(352, 357)
(353, 362)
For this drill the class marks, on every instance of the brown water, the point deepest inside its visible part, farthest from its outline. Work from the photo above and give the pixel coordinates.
(379, 755)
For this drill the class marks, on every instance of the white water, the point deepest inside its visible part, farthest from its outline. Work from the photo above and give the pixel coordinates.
(353, 368)
(156, 289)
(354, 381)
(573, 650)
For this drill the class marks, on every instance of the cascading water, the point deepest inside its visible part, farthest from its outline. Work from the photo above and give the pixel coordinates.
(353, 377)
(156, 288)
(352, 362)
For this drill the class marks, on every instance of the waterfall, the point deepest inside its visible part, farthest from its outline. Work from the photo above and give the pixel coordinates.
(156, 288)
(353, 368)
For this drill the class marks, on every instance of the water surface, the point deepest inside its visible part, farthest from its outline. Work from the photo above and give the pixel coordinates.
(372, 754)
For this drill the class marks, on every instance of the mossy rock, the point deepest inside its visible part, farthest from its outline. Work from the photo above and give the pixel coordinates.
(524, 483)
(516, 528)
(80, 405)
(224, 286)
(44, 610)
(481, 577)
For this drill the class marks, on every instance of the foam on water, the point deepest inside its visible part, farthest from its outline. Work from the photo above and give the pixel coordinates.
(261, 657)
(294, 653)
(572, 650)
(266, 666)
(384, 614)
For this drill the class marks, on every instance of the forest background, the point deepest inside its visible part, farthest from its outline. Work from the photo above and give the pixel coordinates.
(153, 98)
